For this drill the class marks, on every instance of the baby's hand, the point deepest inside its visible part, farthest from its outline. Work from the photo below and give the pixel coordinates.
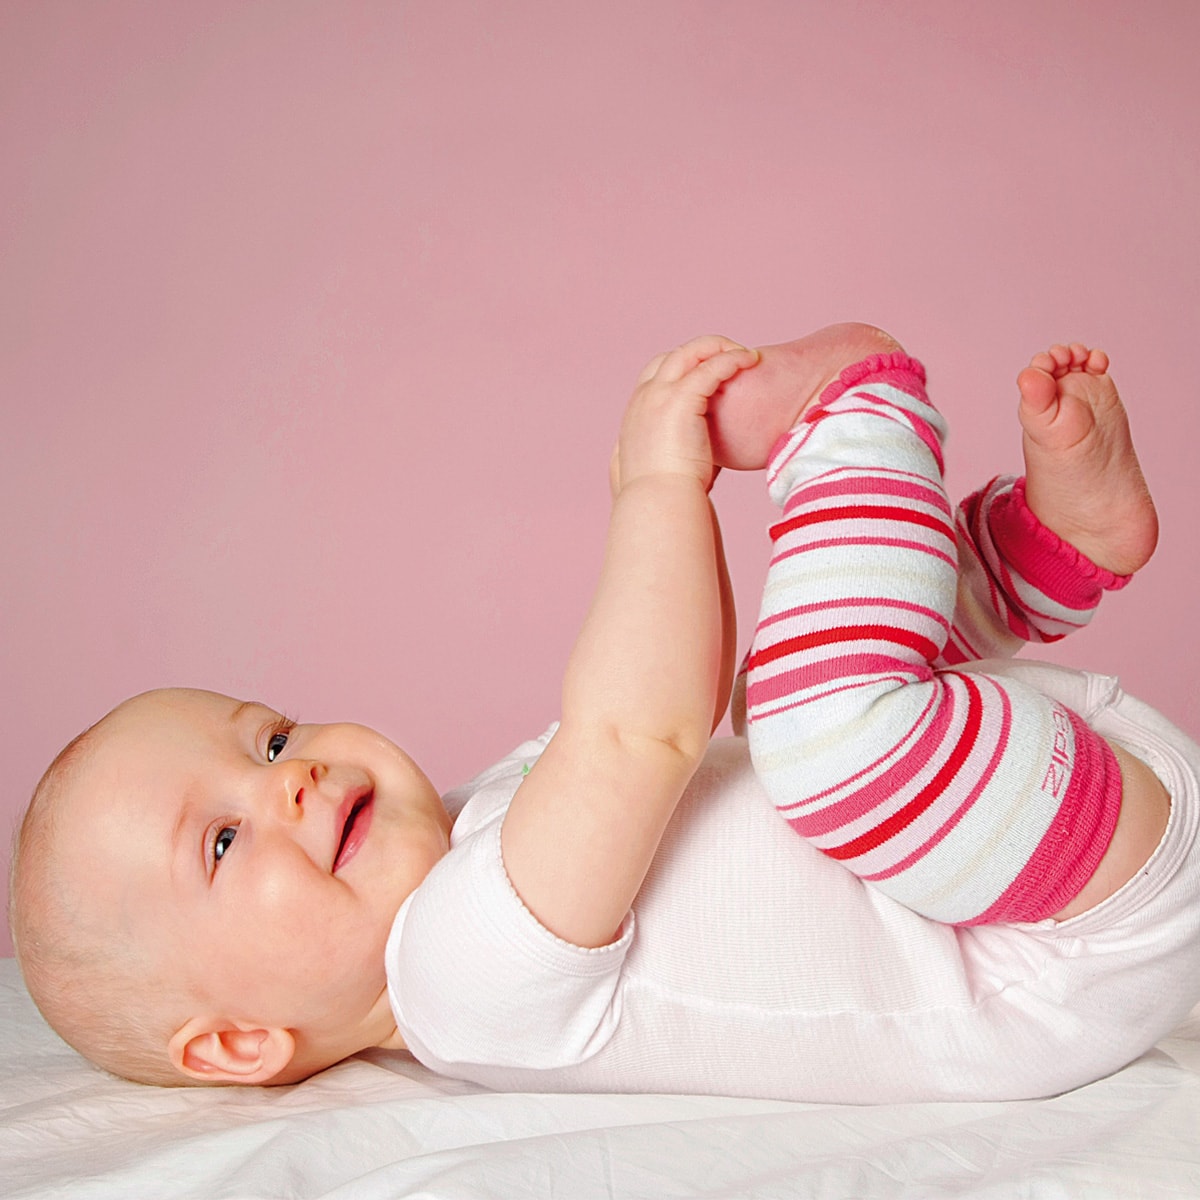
(664, 429)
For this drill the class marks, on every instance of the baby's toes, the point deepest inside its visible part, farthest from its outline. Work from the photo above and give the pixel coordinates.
(1061, 357)
(1079, 355)
(1038, 392)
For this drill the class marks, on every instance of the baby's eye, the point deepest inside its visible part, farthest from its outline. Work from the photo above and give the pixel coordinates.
(276, 742)
(223, 841)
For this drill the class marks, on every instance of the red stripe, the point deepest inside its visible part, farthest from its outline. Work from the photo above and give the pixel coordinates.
(845, 633)
(860, 512)
(845, 602)
(905, 816)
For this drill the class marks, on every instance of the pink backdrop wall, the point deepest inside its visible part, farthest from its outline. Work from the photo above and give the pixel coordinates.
(316, 320)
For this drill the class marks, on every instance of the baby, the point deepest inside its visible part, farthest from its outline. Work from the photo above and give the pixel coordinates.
(995, 890)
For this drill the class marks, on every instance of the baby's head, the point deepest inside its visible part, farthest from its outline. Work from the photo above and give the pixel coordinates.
(202, 889)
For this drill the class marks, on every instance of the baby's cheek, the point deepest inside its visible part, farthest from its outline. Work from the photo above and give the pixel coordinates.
(274, 905)
(300, 911)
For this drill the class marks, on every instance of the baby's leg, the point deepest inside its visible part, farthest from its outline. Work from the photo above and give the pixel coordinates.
(1036, 554)
(1034, 560)
(965, 797)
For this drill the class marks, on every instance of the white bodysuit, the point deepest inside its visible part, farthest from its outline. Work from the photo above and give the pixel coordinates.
(753, 965)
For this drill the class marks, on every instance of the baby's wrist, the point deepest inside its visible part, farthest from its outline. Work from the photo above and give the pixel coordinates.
(663, 478)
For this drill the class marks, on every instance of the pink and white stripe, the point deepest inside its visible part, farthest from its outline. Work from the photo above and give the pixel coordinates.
(944, 789)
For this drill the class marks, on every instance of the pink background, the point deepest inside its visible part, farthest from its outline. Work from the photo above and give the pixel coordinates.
(318, 319)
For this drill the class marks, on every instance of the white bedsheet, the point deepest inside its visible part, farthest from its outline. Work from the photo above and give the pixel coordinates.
(382, 1126)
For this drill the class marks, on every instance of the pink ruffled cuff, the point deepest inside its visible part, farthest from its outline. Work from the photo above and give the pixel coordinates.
(1042, 558)
(898, 369)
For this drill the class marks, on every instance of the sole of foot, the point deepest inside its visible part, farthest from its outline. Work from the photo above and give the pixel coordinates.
(1083, 478)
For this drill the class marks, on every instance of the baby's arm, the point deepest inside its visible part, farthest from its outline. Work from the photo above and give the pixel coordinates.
(729, 667)
(641, 686)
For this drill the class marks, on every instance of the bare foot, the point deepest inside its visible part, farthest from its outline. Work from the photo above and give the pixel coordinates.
(1083, 479)
(748, 415)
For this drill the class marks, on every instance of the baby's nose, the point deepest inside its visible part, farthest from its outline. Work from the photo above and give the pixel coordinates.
(298, 776)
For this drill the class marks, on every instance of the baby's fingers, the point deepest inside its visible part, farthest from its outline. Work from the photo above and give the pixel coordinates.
(704, 378)
(675, 364)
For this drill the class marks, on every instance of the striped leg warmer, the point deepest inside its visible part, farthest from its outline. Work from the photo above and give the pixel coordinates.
(968, 798)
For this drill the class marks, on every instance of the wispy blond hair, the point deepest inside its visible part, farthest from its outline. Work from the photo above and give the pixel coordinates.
(95, 988)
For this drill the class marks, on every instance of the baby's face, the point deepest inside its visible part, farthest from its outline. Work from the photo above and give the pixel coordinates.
(257, 861)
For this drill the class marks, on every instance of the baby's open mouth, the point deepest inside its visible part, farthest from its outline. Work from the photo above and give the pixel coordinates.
(354, 829)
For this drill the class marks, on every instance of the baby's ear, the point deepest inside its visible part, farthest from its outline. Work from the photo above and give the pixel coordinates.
(219, 1051)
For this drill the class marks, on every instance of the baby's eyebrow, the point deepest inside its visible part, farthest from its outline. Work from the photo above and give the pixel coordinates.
(236, 715)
